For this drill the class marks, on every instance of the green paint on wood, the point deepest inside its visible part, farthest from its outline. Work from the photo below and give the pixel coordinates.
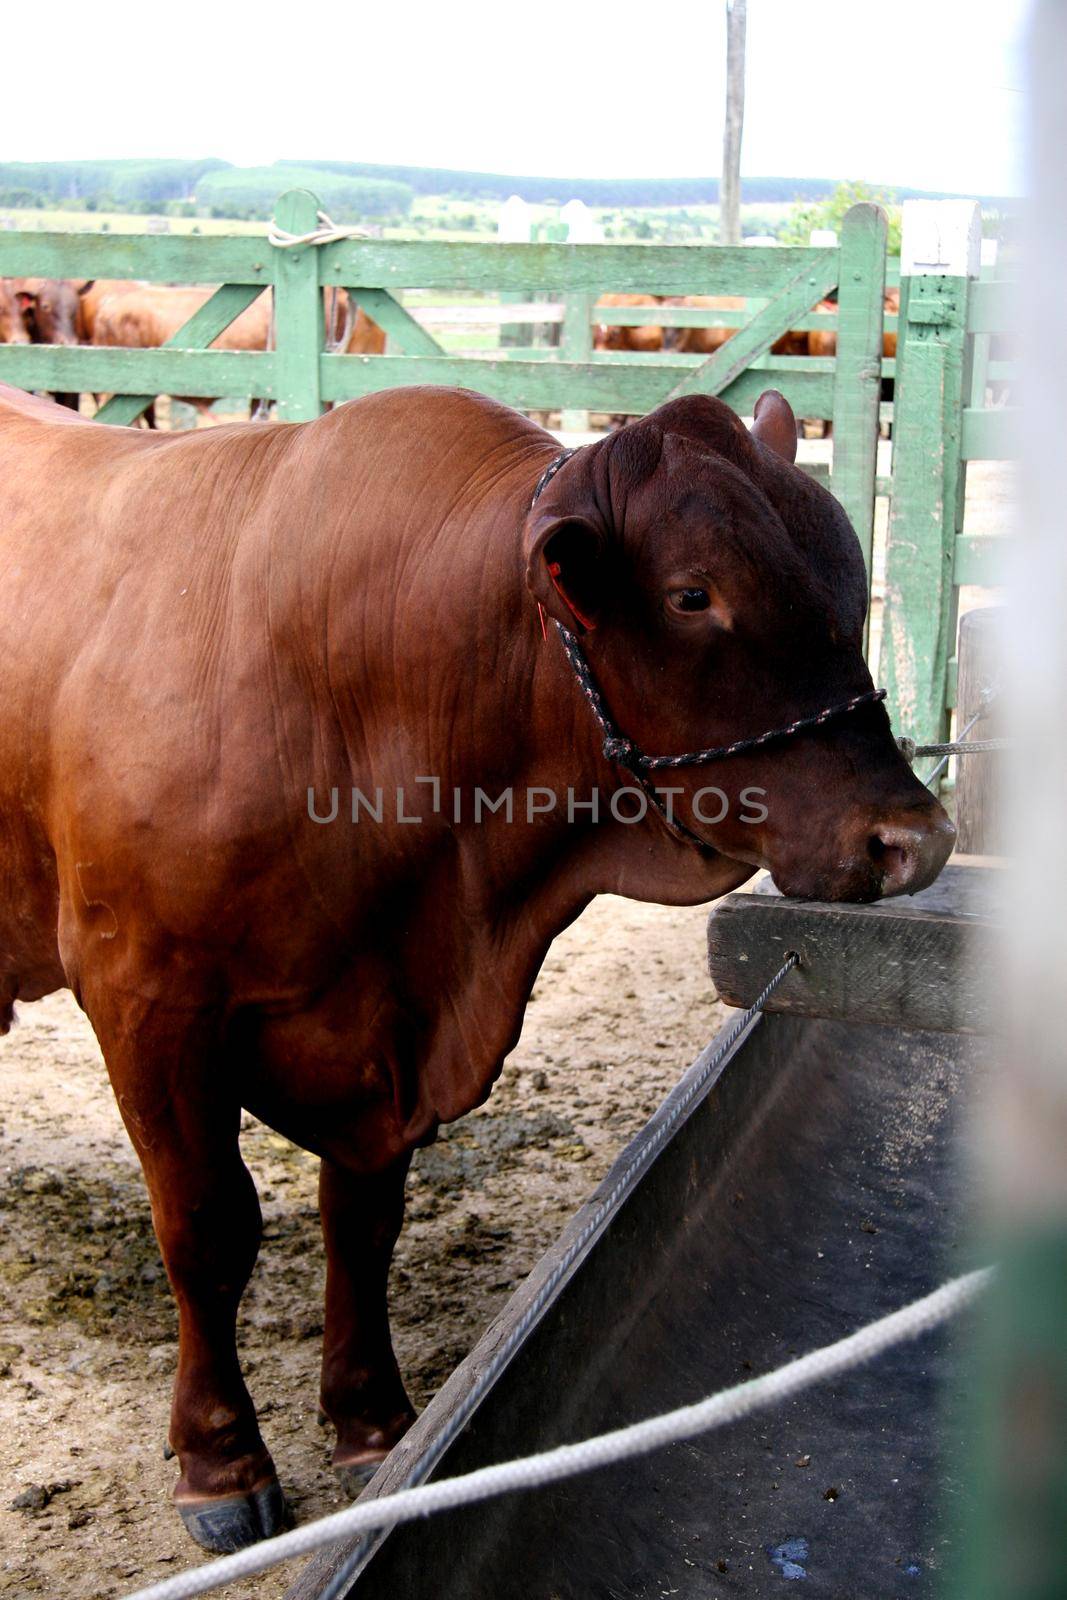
(545, 385)
(160, 258)
(397, 323)
(918, 629)
(797, 294)
(858, 371)
(576, 345)
(299, 327)
(74, 369)
(991, 435)
(202, 328)
(597, 268)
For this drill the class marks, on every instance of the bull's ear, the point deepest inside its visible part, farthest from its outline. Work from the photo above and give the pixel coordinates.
(565, 568)
(85, 285)
(25, 299)
(775, 425)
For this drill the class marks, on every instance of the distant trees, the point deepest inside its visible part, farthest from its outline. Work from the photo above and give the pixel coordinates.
(252, 191)
(829, 213)
(121, 181)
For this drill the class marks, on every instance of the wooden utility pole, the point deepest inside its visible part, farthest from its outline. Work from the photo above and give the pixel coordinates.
(730, 188)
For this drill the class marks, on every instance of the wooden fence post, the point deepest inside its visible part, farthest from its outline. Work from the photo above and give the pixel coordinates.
(298, 320)
(576, 344)
(939, 259)
(858, 368)
(979, 831)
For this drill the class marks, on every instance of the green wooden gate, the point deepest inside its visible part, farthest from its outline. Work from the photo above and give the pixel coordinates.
(943, 419)
(780, 286)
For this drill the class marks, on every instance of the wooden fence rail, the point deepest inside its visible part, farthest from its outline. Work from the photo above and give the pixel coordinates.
(942, 368)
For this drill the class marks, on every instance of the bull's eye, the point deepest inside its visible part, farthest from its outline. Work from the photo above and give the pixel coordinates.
(690, 599)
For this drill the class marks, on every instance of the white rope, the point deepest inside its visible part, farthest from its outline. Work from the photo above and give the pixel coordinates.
(326, 232)
(533, 1472)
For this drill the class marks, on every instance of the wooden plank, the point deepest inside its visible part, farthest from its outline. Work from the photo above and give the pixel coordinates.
(980, 559)
(576, 345)
(202, 328)
(544, 385)
(796, 295)
(61, 368)
(397, 322)
(858, 373)
(299, 327)
(993, 307)
(160, 258)
(979, 819)
(911, 962)
(991, 435)
(926, 509)
(598, 268)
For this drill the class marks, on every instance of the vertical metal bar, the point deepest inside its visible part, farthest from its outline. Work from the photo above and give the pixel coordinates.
(858, 368)
(298, 321)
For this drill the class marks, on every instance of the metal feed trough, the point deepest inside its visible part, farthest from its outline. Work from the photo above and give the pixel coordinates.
(811, 1187)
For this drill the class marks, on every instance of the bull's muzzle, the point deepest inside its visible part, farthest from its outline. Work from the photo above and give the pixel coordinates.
(909, 852)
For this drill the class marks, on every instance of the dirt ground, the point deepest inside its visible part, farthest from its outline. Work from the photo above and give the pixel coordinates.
(88, 1335)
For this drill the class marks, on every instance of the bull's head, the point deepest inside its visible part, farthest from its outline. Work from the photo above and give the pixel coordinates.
(720, 592)
(52, 310)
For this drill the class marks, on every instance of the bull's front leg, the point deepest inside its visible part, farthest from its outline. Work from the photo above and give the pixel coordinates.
(184, 1120)
(362, 1391)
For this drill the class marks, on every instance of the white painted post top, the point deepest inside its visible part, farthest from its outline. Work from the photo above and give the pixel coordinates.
(581, 224)
(513, 225)
(941, 238)
(822, 238)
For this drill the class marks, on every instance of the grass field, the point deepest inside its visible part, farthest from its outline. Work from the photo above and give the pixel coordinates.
(431, 217)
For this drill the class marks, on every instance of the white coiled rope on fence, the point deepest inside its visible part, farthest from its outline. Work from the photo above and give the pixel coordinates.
(327, 231)
(534, 1472)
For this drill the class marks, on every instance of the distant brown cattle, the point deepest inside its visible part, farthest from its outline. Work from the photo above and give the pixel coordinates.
(610, 336)
(146, 317)
(704, 341)
(12, 325)
(51, 309)
(823, 341)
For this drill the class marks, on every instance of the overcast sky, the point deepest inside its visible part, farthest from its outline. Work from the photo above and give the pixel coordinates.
(924, 93)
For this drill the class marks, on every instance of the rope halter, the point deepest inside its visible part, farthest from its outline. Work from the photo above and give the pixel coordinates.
(627, 753)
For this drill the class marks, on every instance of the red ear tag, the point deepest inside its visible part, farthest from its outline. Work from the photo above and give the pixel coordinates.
(554, 570)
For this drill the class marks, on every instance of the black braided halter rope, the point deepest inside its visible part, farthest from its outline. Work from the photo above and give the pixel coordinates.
(625, 753)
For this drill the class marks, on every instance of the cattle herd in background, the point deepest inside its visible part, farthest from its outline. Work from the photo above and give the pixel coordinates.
(128, 315)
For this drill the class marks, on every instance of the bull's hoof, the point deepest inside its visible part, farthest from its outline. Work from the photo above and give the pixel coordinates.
(354, 1476)
(235, 1521)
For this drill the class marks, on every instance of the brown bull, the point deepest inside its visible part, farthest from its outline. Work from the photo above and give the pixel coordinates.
(209, 641)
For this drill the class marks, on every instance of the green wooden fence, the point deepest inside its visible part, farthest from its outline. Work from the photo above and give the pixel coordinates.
(941, 420)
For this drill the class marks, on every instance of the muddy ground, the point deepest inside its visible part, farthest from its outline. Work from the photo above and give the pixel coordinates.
(87, 1341)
